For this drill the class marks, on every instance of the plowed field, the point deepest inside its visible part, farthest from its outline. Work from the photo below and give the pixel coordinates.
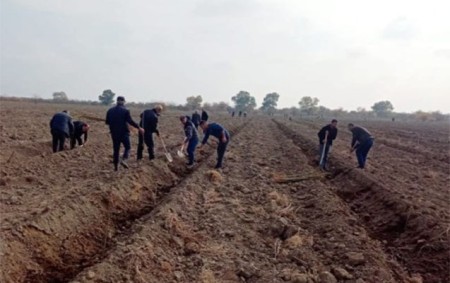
(68, 217)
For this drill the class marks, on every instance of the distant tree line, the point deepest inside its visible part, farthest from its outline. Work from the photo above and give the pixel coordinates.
(308, 107)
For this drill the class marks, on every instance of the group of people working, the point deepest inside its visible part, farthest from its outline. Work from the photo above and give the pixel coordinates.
(118, 119)
(62, 127)
(362, 141)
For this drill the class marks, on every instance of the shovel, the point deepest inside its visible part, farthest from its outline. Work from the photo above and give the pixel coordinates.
(180, 152)
(322, 156)
(168, 156)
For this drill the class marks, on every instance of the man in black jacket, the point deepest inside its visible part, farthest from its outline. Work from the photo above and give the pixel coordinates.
(326, 136)
(118, 118)
(149, 121)
(61, 127)
(362, 142)
(196, 119)
(204, 115)
(80, 129)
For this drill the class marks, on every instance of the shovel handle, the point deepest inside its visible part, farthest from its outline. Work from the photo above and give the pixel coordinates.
(163, 144)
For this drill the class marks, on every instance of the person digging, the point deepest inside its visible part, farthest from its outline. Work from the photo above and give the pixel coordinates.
(326, 136)
(80, 129)
(149, 121)
(191, 139)
(218, 131)
(362, 141)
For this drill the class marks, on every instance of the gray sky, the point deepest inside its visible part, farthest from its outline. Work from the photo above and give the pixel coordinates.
(347, 53)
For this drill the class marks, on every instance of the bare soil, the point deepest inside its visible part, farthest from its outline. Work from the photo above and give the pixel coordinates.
(68, 217)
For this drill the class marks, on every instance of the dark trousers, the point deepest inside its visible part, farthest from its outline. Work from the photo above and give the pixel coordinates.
(323, 155)
(191, 150)
(362, 151)
(117, 141)
(148, 139)
(58, 140)
(73, 141)
(221, 148)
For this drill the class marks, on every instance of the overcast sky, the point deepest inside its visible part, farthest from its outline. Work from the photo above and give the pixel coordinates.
(346, 53)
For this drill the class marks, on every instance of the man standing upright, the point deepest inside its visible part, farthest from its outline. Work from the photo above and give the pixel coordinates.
(204, 115)
(326, 136)
(61, 127)
(362, 141)
(118, 118)
(221, 134)
(196, 119)
(149, 121)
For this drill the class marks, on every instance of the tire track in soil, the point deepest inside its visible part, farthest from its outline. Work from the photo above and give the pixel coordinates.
(246, 228)
(414, 235)
(57, 258)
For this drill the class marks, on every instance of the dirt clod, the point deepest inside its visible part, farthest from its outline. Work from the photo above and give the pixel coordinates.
(178, 275)
(355, 258)
(214, 176)
(286, 275)
(416, 278)
(300, 278)
(326, 277)
(90, 274)
(191, 248)
(341, 273)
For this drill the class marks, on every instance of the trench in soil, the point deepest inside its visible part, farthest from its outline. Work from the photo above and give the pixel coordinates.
(413, 236)
(122, 222)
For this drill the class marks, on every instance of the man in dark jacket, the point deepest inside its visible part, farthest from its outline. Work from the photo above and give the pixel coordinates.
(362, 141)
(204, 115)
(191, 138)
(118, 118)
(221, 134)
(196, 119)
(61, 127)
(326, 136)
(149, 121)
(80, 129)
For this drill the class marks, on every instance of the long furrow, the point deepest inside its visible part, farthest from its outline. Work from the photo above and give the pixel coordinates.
(412, 231)
(78, 229)
(239, 225)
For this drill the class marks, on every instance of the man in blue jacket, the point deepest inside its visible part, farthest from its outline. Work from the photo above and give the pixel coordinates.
(149, 121)
(191, 138)
(118, 118)
(221, 134)
(61, 127)
(362, 141)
